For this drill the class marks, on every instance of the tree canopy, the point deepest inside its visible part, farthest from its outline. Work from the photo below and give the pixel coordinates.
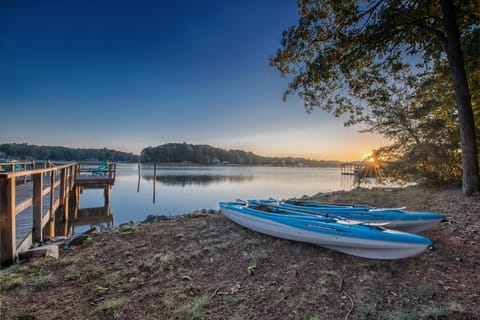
(57, 153)
(388, 65)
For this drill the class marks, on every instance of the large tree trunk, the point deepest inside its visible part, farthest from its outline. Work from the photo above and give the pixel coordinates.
(468, 141)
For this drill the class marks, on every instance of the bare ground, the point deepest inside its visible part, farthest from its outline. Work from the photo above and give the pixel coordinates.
(206, 267)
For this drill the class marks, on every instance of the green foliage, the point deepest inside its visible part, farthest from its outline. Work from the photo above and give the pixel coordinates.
(56, 153)
(342, 53)
(208, 155)
(383, 64)
(251, 269)
(102, 290)
(126, 229)
(9, 281)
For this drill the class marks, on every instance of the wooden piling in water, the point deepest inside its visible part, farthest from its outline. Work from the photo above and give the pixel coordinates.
(138, 184)
(154, 179)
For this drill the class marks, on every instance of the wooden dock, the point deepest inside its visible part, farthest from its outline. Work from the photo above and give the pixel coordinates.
(30, 199)
(351, 168)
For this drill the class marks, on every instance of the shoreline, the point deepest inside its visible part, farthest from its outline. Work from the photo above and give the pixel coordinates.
(204, 266)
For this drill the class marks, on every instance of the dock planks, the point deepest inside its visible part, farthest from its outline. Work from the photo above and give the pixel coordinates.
(24, 220)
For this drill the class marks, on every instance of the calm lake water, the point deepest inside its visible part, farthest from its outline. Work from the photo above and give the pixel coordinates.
(182, 189)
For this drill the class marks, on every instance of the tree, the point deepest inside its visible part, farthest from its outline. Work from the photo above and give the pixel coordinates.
(342, 54)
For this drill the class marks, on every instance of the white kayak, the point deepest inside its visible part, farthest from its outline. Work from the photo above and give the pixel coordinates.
(340, 235)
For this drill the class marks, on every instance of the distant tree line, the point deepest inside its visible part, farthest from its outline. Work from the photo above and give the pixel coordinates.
(26, 151)
(208, 155)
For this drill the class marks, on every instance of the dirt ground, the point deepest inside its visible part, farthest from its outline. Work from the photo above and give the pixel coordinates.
(204, 266)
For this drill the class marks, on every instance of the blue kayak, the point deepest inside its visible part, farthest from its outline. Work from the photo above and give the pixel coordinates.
(394, 218)
(340, 235)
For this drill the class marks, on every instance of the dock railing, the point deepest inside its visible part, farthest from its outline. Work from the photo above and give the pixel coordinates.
(49, 189)
(16, 166)
(105, 171)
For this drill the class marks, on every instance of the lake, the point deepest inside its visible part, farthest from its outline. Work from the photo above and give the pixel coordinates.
(182, 189)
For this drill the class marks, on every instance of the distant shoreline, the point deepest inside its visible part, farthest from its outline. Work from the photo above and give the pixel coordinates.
(181, 164)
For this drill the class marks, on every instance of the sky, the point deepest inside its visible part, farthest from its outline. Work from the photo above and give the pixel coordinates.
(131, 74)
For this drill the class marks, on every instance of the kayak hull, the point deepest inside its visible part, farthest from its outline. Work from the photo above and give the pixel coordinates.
(373, 244)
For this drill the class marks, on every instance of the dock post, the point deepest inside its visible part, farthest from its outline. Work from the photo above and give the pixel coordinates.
(77, 200)
(37, 235)
(51, 222)
(154, 179)
(8, 244)
(64, 194)
(139, 172)
(106, 195)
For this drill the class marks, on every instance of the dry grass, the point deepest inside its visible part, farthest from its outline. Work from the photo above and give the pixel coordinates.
(206, 267)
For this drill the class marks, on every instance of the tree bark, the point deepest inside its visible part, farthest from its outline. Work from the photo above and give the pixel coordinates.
(468, 141)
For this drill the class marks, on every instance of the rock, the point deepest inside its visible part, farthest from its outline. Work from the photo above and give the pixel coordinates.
(78, 240)
(90, 231)
(155, 218)
(43, 251)
(197, 214)
(59, 239)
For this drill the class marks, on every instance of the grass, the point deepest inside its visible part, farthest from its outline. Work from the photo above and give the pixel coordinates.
(113, 306)
(166, 262)
(102, 290)
(193, 309)
(72, 274)
(35, 280)
(441, 311)
(10, 281)
(41, 281)
(400, 315)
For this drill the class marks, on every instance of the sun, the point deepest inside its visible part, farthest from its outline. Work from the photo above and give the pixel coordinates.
(368, 157)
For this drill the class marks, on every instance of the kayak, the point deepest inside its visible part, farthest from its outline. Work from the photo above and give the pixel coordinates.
(393, 218)
(344, 236)
(337, 205)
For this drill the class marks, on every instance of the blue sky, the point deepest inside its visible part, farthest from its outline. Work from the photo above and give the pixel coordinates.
(132, 74)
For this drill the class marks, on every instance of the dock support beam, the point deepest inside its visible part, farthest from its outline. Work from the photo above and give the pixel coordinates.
(7, 221)
(106, 195)
(37, 235)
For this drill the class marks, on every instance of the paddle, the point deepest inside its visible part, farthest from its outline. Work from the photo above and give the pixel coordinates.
(326, 215)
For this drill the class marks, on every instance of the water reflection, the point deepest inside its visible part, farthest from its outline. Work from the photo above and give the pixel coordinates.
(196, 180)
(93, 216)
(82, 219)
(347, 181)
(181, 189)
